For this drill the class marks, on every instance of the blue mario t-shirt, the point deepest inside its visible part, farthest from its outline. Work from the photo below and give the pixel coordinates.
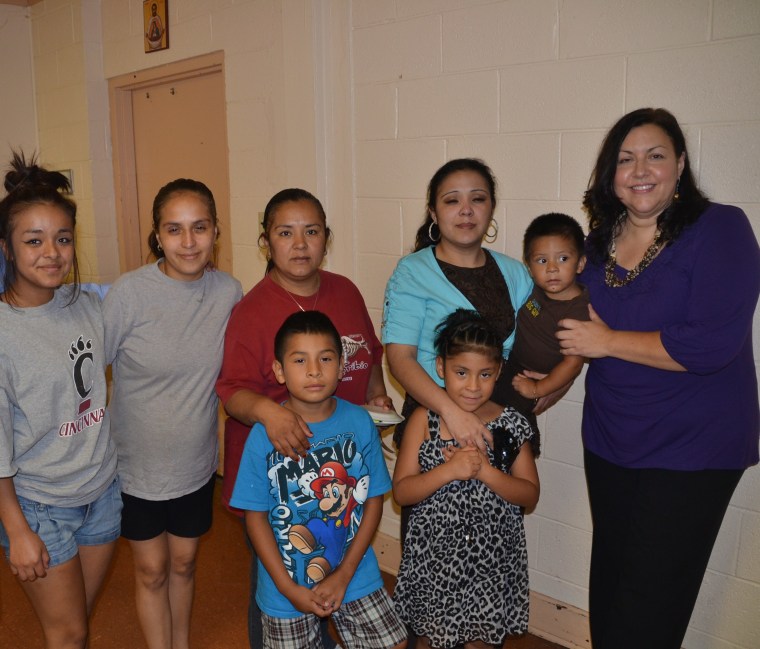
(315, 505)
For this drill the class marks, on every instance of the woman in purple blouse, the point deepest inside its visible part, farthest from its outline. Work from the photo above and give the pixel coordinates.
(670, 419)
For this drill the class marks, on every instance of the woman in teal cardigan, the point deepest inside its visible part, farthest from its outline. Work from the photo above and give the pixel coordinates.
(450, 269)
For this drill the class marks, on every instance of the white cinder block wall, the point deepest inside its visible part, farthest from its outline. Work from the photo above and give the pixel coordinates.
(72, 122)
(361, 100)
(18, 124)
(531, 87)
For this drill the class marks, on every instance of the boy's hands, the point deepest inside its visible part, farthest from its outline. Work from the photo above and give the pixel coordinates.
(331, 591)
(307, 600)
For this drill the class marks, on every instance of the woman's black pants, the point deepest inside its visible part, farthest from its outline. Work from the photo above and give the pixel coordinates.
(654, 530)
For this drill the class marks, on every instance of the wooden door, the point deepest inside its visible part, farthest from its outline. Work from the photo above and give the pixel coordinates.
(168, 122)
(180, 132)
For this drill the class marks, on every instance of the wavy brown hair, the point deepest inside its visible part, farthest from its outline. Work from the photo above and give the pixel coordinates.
(604, 207)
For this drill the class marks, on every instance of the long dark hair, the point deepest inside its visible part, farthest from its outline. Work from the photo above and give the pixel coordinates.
(604, 207)
(169, 191)
(290, 195)
(29, 185)
(423, 239)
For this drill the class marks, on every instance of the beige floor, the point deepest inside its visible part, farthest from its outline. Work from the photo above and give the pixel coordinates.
(219, 618)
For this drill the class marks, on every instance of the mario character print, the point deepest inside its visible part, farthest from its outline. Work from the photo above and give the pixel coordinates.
(338, 494)
(320, 506)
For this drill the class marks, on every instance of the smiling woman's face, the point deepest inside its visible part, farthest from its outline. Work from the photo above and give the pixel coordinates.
(41, 251)
(648, 170)
(187, 233)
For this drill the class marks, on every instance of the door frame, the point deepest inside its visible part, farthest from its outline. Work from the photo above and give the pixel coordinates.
(120, 91)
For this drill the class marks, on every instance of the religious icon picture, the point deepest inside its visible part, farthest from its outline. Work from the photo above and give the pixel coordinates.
(156, 25)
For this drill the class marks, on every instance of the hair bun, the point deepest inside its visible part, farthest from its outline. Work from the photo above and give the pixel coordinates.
(29, 173)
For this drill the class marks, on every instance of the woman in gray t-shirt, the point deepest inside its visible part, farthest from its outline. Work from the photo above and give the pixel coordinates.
(60, 504)
(165, 327)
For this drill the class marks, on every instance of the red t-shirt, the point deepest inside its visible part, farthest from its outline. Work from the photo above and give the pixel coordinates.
(249, 350)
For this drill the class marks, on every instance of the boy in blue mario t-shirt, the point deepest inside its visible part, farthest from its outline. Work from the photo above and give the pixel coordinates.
(311, 521)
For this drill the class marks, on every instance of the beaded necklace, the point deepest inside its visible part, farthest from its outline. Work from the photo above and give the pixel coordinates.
(613, 281)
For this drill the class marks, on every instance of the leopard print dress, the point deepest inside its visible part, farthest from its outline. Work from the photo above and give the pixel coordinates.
(464, 569)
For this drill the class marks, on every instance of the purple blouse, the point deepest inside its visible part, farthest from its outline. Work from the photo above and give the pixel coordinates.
(700, 294)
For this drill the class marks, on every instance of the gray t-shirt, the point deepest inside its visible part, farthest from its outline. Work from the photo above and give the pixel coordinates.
(54, 434)
(165, 339)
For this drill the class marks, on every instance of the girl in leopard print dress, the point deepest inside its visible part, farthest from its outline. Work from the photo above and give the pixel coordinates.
(464, 572)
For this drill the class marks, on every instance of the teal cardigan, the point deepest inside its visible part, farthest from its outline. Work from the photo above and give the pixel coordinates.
(418, 297)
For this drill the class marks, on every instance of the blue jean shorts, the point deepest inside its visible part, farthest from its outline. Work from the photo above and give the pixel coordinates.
(64, 529)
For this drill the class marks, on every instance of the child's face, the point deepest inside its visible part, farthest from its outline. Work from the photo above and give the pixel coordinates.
(554, 262)
(469, 378)
(187, 235)
(42, 239)
(311, 368)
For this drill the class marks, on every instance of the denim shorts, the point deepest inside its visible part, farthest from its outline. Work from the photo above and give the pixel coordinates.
(64, 529)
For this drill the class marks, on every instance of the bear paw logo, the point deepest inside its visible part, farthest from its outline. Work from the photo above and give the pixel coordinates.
(79, 346)
(81, 353)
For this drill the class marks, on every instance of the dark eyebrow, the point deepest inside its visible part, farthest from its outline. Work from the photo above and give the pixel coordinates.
(206, 220)
(651, 148)
(290, 225)
(457, 191)
(40, 230)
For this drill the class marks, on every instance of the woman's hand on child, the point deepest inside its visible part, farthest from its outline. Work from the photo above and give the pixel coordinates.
(464, 463)
(288, 433)
(29, 558)
(467, 428)
(589, 338)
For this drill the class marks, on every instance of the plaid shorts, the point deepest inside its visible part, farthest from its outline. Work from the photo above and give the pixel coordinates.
(369, 622)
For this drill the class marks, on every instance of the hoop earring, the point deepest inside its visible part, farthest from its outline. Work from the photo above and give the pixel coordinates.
(430, 232)
(676, 196)
(490, 237)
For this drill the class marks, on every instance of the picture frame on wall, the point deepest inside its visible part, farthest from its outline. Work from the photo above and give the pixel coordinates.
(156, 25)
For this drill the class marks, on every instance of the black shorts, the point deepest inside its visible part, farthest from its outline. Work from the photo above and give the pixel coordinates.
(188, 516)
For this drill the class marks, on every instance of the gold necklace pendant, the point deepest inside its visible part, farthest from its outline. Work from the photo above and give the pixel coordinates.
(297, 303)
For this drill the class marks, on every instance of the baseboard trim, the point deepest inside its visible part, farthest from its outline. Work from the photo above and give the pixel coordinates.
(558, 622)
(549, 618)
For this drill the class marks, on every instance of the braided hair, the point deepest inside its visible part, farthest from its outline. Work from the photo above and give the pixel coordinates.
(466, 330)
